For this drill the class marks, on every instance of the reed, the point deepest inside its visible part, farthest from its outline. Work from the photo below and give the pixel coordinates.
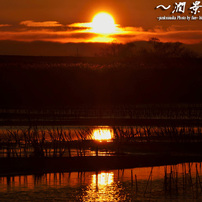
(60, 141)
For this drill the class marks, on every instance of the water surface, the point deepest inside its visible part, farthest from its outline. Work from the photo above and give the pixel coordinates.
(175, 182)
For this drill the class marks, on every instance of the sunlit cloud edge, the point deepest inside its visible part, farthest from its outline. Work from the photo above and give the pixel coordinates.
(82, 32)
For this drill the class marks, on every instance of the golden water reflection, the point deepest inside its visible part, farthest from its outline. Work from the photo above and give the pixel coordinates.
(103, 134)
(103, 179)
(102, 188)
(115, 185)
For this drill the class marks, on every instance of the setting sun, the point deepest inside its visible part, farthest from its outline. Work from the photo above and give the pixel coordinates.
(103, 23)
(102, 28)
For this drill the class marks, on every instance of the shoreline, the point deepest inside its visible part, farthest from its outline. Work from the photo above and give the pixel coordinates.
(31, 165)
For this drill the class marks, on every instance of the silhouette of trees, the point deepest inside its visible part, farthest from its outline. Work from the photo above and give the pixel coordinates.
(169, 49)
(154, 48)
(118, 50)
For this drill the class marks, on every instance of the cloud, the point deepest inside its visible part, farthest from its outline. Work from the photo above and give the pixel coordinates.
(184, 36)
(5, 25)
(81, 32)
(30, 23)
(46, 35)
(81, 25)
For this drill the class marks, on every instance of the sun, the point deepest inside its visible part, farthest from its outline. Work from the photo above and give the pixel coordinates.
(103, 23)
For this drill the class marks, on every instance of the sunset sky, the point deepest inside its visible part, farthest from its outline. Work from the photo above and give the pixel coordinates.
(65, 21)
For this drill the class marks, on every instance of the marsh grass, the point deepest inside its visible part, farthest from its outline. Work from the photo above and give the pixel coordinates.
(60, 142)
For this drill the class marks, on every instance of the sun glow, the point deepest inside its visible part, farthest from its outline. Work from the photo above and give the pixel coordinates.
(102, 28)
(103, 23)
(102, 134)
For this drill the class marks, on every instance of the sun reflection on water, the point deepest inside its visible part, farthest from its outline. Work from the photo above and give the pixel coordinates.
(102, 188)
(103, 179)
(154, 183)
(101, 134)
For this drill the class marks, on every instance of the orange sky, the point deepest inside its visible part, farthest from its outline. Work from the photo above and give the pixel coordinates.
(50, 20)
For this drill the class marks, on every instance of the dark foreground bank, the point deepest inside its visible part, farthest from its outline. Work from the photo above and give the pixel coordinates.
(41, 82)
(21, 166)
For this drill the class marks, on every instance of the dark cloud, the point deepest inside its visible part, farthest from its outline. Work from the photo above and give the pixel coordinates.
(46, 35)
(30, 23)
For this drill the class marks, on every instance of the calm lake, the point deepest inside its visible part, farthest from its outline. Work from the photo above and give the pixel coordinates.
(179, 182)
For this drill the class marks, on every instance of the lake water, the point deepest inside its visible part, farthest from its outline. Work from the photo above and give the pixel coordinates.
(180, 182)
